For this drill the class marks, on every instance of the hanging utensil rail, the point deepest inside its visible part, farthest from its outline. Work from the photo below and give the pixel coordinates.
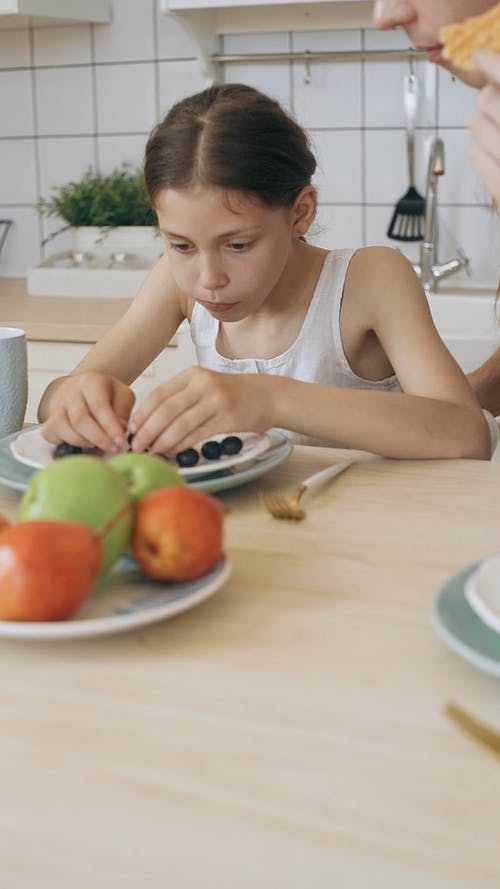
(308, 56)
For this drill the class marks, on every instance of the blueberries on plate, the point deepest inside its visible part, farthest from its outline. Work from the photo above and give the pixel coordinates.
(231, 445)
(187, 458)
(211, 450)
(66, 450)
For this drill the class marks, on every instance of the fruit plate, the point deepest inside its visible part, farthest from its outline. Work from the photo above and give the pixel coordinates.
(16, 475)
(32, 449)
(461, 629)
(124, 601)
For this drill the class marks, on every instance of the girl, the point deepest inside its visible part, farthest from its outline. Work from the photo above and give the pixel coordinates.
(335, 347)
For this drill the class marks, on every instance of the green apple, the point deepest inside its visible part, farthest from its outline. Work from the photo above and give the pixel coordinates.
(82, 489)
(144, 473)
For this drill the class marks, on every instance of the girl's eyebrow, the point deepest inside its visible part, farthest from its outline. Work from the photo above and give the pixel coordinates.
(229, 234)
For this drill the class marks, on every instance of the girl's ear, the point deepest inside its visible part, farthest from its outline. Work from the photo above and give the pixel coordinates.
(304, 210)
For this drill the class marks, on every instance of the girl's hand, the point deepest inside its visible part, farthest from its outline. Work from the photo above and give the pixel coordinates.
(485, 126)
(90, 410)
(198, 403)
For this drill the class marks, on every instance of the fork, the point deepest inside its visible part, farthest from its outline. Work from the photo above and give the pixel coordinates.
(281, 508)
(472, 727)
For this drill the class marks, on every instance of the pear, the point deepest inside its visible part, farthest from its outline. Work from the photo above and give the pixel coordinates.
(84, 489)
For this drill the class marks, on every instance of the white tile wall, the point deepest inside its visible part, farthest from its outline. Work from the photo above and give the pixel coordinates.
(125, 97)
(14, 48)
(64, 101)
(130, 35)
(338, 151)
(86, 95)
(16, 105)
(73, 49)
(63, 160)
(17, 172)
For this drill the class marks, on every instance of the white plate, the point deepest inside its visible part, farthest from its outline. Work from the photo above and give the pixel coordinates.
(32, 449)
(482, 592)
(125, 600)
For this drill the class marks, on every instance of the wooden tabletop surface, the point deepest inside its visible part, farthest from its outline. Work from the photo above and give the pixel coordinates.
(288, 733)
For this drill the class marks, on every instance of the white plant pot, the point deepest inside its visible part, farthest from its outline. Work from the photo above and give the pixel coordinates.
(119, 239)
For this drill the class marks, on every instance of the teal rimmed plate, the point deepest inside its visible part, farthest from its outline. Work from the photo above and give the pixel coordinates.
(16, 475)
(461, 629)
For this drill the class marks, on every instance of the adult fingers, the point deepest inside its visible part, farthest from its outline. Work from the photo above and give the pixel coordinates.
(488, 62)
(489, 170)
(391, 13)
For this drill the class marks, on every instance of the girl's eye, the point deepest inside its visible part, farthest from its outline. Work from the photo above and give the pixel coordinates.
(180, 247)
(237, 246)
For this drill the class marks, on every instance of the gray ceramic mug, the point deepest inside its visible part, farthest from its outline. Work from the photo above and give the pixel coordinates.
(13, 379)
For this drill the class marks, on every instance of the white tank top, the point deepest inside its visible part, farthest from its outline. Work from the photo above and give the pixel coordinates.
(316, 356)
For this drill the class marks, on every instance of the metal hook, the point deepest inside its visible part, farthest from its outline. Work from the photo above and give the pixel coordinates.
(308, 75)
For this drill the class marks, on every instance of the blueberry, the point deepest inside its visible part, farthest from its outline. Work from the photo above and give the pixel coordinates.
(66, 450)
(231, 445)
(211, 450)
(187, 458)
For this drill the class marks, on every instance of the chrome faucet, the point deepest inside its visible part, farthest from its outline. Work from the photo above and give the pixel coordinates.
(429, 269)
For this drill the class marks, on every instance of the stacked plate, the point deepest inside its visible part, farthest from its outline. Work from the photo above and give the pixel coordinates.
(466, 614)
(22, 453)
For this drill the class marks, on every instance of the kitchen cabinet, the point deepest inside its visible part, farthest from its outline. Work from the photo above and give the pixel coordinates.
(205, 20)
(39, 13)
(48, 360)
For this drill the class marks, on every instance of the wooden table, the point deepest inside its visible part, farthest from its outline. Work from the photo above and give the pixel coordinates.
(288, 733)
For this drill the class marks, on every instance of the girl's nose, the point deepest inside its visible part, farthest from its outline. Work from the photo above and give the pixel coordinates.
(212, 275)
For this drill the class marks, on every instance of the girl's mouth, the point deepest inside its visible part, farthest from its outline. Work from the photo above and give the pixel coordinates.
(217, 308)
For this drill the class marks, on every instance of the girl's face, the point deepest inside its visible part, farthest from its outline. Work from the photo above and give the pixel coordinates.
(228, 255)
(423, 19)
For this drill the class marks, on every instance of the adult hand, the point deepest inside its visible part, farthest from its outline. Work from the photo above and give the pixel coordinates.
(90, 409)
(196, 404)
(485, 126)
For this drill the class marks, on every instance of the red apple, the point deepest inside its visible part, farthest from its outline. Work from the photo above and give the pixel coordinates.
(47, 569)
(177, 534)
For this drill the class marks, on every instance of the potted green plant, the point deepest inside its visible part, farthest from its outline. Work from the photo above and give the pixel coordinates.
(105, 213)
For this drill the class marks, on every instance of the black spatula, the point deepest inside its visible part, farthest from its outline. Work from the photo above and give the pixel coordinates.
(407, 223)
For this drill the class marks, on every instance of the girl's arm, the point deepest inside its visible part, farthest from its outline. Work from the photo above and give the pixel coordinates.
(91, 406)
(436, 415)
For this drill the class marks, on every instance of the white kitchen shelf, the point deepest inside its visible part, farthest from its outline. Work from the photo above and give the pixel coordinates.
(40, 13)
(205, 20)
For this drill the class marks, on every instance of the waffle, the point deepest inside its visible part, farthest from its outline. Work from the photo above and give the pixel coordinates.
(460, 41)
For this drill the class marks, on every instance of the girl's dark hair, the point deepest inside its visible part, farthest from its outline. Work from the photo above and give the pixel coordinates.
(234, 137)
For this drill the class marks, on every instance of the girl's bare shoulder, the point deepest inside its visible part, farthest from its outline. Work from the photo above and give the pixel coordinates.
(380, 274)
(368, 262)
